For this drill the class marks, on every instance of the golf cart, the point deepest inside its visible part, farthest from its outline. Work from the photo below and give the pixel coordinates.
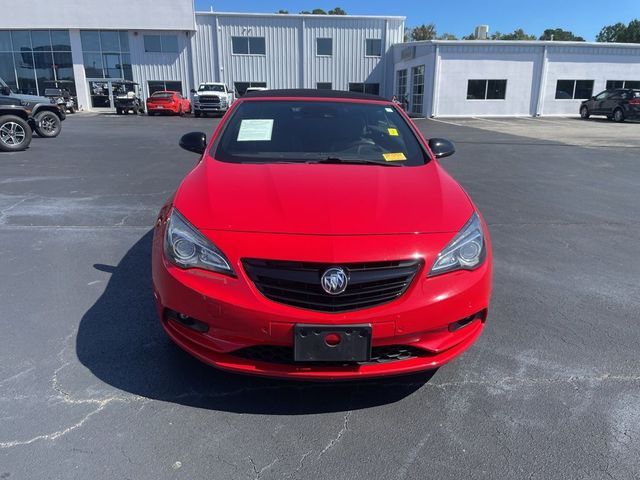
(63, 94)
(126, 98)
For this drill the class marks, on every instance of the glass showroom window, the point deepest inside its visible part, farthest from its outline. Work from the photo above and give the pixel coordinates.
(164, 85)
(623, 84)
(324, 86)
(248, 45)
(417, 93)
(161, 43)
(106, 54)
(574, 89)
(33, 60)
(324, 47)
(401, 84)
(486, 89)
(373, 47)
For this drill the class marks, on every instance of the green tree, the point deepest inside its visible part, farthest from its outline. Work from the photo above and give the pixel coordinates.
(518, 34)
(318, 11)
(284, 12)
(620, 32)
(560, 35)
(337, 11)
(447, 36)
(423, 32)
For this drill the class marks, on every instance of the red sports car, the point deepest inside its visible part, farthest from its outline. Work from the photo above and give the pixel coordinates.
(168, 102)
(318, 237)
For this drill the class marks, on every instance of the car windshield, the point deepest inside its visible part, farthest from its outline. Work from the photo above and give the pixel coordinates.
(275, 131)
(162, 95)
(211, 88)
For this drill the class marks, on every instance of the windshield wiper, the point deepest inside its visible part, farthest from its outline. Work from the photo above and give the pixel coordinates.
(337, 160)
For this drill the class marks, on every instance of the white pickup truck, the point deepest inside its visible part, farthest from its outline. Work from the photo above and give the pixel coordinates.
(211, 97)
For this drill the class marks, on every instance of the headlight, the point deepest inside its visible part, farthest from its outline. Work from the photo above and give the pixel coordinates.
(185, 247)
(466, 251)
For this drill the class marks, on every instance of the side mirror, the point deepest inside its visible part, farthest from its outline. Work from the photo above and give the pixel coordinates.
(195, 142)
(592, 98)
(193, 90)
(4, 90)
(441, 147)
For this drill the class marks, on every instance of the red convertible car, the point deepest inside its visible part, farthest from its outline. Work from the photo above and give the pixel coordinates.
(318, 237)
(168, 102)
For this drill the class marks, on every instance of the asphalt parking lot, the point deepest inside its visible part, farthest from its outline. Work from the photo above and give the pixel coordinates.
(91, 388)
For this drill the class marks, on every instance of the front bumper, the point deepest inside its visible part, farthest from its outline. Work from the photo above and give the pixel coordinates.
(210, 107)
(239, 316)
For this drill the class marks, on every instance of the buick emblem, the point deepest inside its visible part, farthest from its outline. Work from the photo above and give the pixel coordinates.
(334, 281)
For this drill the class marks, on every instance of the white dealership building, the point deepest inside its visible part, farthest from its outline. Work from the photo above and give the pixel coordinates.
(165, 44)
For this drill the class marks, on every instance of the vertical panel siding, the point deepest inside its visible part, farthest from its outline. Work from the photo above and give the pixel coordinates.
(160, 66)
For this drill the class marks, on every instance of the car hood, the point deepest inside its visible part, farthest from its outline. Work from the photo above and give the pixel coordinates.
(322, 199)
(31, 98)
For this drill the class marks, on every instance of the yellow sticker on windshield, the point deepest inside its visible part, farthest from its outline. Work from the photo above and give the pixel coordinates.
(393, 132)
(394, 157)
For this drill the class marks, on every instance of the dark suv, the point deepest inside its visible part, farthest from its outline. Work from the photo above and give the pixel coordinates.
(617, 104)
(45, 117)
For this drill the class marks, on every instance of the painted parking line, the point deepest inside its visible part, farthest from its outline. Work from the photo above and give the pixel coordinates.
(447, 122)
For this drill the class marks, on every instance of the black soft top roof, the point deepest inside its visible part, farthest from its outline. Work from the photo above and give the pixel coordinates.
(312, 93)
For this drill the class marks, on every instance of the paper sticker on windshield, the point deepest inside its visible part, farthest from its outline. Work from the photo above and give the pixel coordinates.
(394, 157)
(388, 109)
(393, 132)
(255, 130)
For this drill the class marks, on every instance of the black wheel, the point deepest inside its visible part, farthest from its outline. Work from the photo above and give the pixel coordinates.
(141, 110)
(584, 112)
(125, 111)
(196, 113)
(48, 124)
(15, 134)
(618, 115)
(118, 111)
(72, 109)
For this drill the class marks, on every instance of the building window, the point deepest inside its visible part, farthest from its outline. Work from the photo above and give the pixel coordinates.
(486, 89)
(241, 87)
(248, 45)
(106, 54)
(160, 44)
(33, 60)
(371, 88)
(373, 47)
(401, 85)
(164, 85)
(623, 84)
(417, 92)
(324, 46)
(574, 89)
(324, 86)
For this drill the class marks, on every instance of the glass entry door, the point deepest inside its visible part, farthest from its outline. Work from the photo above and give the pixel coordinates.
(101, 94)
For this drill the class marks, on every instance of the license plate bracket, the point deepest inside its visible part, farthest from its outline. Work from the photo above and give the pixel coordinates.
(317, 343)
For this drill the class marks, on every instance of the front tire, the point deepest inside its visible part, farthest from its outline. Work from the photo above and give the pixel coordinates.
(15, 134)
(618, 115)
(48, 124)
(584, 112)
(196, 113)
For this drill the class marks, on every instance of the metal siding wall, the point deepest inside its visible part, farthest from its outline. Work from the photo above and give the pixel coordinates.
(348, 63)
(204, 47)
(160, 66)
(278, 67)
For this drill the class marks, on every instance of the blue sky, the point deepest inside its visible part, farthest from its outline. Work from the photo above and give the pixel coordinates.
(459, 17)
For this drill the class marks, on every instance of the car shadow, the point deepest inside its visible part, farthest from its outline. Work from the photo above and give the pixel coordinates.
(121, 342)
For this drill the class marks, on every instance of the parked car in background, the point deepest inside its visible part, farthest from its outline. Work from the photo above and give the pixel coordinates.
(15, 131)
(126, 97)
(616, 104)
(168, 102)
(45, 116)
(254, 89)
(318, 237)
(61, 92)
(212, 97)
